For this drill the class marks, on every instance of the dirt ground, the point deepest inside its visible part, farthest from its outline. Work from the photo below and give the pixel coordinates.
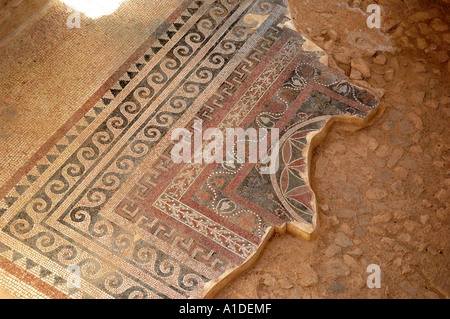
(383, 191)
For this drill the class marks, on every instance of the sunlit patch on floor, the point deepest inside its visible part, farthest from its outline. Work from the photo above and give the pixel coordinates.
(94, 9)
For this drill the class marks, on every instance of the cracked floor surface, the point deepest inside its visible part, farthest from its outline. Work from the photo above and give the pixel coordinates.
(383, 191)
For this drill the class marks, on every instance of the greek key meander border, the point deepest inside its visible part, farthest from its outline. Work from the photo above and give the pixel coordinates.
(151, 175)
(89, 122)
(165, 158)
(209, 1)
(283, 59)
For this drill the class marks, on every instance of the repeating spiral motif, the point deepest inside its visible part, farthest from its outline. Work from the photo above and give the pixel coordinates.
(131, 129)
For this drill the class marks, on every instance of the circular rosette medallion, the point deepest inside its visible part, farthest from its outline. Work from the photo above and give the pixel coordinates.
(289, 182)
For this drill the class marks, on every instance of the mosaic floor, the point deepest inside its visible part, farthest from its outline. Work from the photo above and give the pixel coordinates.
(106, 213)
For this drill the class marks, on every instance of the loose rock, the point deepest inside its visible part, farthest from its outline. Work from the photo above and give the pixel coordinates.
(376, 193)
(337, 287)
(307, 276)
(395, 157)
(406, 287)
(332, 250)
(361, 65)
(338, 268)
(343, 240)
(438, 25)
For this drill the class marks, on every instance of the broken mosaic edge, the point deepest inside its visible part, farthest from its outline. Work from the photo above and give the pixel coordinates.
(300, 230)
(304, 231)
